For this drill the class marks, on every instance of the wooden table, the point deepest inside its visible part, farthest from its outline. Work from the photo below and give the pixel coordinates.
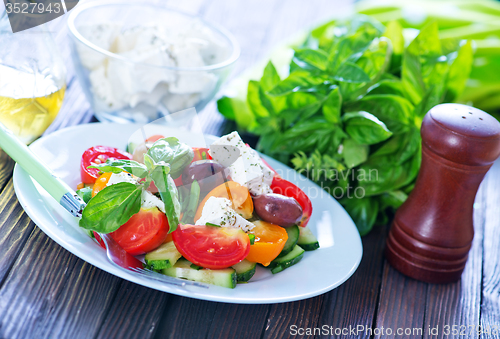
(46, 292)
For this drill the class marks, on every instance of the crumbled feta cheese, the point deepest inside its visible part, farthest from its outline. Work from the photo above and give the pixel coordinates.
(149, 200)
(115, 178)
(219, 211)
(244, 164)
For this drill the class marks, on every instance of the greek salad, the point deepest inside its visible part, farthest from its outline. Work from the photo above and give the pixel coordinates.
(203, 214)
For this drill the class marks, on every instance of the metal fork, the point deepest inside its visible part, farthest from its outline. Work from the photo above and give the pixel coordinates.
(117, 255)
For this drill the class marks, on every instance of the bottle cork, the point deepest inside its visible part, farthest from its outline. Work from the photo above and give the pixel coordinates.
(432, 232)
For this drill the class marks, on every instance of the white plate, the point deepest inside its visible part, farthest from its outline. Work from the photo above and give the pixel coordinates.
(319, 271)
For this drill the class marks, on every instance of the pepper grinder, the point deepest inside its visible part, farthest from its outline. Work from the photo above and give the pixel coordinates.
(432, 231)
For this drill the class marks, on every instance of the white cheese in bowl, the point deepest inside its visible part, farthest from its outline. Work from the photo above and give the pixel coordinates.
(117, 84)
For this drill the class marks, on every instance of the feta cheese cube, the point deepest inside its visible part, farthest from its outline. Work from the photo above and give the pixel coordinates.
(219, 211)
(243, 163)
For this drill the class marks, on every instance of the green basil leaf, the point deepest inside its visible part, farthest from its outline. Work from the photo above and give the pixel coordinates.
(236, 109)
(119, 165)
(169, 195)
(332, 106)
(386, 86)
(85, 193)
(362, 211)
(349, 72)
(194, 197)
(400, 147)
(311, 59)
(254, 100)
(111, 207)
(392, 199)
(394, 111)
(354, 153)
(381, 175)
(365, 128)
(424, 67)
(304, 136)
(270, 77)
(170, 151)
(459, 72)
(394, 32)
(300, 106)
(298, 81)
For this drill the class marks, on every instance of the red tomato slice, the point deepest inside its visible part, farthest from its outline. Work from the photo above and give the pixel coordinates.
(211, 247)
(98, 155)
(142, 233)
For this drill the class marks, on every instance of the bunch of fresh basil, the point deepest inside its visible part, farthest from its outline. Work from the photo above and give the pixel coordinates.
(116, 204)
(349, 113)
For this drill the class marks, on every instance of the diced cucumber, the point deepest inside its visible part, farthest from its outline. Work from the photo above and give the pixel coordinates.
(307, 240)
(163, 257)
(279, 264)
(293, 237)
(244, 270)
(225, 277)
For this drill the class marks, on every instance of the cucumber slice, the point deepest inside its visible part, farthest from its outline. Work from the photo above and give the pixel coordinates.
(225, 277)
(279, 264)
(163, 257)
(245, 270)
(293, 236)
(307, 240)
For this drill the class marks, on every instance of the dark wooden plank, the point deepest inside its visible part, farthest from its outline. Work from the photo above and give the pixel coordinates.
(458, 304)
(6, 167)
(355, 302)
(490, 307)
(14, 229)
(283, 318)
(402, 305)
(134, 313)
(51, 293)
(238, 321)
(186, 318)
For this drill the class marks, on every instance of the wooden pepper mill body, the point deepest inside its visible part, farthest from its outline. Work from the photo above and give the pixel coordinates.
(432, 231)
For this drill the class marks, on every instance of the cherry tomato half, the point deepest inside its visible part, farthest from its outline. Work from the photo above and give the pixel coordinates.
(98, 155)
(142, 233)
(269, 242)
(211, 247)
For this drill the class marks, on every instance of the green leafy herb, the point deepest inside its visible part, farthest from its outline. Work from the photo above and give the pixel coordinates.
(349, 111)
(111, 207)
(85, 193)
(192, 204)
(170, 151)
(118, 166)
(115, 204)
(211, 224)
(168, 192)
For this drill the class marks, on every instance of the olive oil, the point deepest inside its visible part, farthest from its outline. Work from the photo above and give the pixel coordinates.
(29, 102)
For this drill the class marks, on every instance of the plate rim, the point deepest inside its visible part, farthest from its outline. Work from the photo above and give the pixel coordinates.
(21, 178)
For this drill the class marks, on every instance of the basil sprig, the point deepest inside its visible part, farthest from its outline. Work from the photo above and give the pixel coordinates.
(352, 103)
(116, 204)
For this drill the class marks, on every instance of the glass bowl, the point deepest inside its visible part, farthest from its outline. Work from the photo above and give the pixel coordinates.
(138, 62)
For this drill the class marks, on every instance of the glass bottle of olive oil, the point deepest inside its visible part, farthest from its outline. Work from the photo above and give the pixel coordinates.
(32, 81)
